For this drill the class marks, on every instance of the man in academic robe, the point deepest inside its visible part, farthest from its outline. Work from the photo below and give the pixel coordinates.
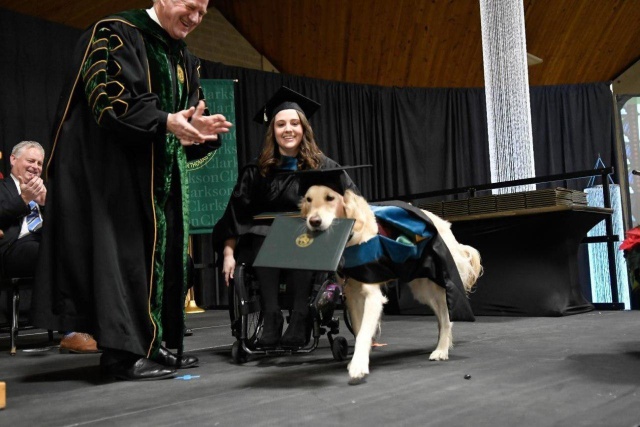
(114, 253)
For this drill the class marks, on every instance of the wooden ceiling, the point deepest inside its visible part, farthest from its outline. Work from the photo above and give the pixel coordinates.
(417, 43)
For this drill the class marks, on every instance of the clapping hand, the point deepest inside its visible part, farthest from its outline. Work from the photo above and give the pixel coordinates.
(192, 127)
(33, 189)
(209, 125)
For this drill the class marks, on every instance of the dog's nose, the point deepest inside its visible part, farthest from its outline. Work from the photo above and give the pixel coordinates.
(315, 221)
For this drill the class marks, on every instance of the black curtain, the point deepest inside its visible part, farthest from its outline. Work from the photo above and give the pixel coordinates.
(426, 139)
(418, 139)
(35, 64)
(572, 126)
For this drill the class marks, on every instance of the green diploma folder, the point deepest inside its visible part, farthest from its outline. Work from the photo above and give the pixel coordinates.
(291, 245)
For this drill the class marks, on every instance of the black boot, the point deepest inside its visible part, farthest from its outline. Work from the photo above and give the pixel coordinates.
(297, 334)
(271, 329)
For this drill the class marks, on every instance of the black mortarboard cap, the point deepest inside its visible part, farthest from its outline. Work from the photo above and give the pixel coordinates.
(285, 99)
(335, 178)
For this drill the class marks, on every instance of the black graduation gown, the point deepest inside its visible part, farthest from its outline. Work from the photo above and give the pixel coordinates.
(254, 194)
(113, 254)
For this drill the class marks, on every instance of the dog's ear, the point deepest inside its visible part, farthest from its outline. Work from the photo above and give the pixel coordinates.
(348, 195)
(354, 209)
(304, 206)
(350, 204)
(357, 207)
(355, 204)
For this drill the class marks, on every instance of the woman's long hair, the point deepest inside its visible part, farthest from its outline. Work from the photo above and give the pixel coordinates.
(309, 155)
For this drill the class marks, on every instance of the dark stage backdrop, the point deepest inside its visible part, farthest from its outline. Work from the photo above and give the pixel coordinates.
(418, 139)
(35, 65)
(425, 139)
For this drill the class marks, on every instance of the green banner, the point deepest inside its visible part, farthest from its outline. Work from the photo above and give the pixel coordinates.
(211, 179)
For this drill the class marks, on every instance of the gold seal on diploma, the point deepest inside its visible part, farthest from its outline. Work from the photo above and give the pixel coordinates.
(180, 73)
(304, 240)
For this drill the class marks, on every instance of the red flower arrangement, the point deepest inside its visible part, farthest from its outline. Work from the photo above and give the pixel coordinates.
(632, 239)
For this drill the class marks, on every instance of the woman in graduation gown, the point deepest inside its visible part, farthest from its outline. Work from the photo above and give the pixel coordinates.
(265, 186)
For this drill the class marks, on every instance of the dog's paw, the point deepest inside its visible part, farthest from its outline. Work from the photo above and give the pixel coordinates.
(357, 371)
(357, 381)
(439, 355)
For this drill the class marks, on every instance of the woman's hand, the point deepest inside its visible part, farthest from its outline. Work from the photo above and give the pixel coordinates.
(229, 261)
(228, 267)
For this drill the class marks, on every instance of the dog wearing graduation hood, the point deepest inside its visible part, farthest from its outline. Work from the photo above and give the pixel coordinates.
(392, 241)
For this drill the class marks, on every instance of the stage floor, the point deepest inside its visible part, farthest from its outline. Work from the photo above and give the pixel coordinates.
(581, 370)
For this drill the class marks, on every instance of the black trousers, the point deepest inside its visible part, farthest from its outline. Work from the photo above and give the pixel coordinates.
(19, 260)
(299, 280)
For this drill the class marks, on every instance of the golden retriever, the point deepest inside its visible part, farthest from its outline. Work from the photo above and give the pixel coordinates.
(364, 301)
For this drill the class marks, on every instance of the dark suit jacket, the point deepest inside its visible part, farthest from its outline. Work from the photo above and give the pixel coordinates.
(12, 212)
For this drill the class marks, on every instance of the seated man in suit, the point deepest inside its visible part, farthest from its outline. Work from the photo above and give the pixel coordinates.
(22, 196)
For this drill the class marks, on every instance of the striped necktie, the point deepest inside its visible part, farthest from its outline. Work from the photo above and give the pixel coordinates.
(34, 222)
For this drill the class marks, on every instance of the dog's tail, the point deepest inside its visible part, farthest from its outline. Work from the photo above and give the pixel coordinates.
(471, 270)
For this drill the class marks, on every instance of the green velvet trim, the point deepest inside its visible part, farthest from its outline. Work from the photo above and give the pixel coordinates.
(165, 55)
(94, 73)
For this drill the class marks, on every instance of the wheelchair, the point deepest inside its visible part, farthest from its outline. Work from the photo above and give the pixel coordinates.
(247, 318)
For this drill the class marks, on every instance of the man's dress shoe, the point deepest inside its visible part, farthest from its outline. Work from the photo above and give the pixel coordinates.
(139, 370)
(78, 342)
(166, 358)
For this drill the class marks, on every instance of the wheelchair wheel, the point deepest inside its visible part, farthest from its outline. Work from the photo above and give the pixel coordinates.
(244, 306)
(238, 354)
(340, 348)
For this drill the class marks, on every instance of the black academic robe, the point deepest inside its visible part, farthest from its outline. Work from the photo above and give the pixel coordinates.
(113, 255)
(255, 194)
